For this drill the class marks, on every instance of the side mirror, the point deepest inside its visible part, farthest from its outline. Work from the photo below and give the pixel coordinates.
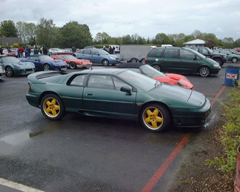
(126, 89)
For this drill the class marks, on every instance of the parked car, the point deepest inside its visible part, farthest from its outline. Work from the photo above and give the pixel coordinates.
(54, 51)
(117, 93)
(14, 66)
(2, 72)
(181, 60)
(98, 56)
(169, 78)
(73, 62)
(117, 48)
(218, 57)
(89, 47)
(45, 63)
(231, 57)
(13, 52)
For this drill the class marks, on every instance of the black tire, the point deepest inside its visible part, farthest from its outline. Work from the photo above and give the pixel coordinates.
(155, 117)
(52, 107)
(46, 67)
(204, 71)
(72, 65)
(134, 61)
(219, 61)
(157, 67)
(105, 62)
(143, 61)
(9, 71)
(234, 60)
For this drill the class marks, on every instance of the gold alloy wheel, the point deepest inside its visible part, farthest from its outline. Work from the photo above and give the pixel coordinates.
(153, 118)
(51, 107)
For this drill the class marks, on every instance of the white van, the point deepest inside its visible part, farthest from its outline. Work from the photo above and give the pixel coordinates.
(166, 45)
(117, 48)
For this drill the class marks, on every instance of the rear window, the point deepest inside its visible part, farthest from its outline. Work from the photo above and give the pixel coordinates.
(155, 53)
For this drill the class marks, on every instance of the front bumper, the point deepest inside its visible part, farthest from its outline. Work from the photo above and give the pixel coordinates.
(19, 71)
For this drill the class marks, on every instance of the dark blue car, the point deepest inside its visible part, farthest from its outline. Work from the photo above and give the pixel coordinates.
(45, 63)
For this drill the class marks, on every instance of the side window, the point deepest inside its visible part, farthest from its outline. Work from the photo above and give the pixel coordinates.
(119, 83)
(204, 51)
(171, 53)
(94, 52)
(100, 81)
(60, 58)
(155, 53)
(86, 51)
(78, 80)
(184, 54)
(34, 58)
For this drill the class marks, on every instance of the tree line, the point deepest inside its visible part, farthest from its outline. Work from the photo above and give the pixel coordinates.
(74, 34)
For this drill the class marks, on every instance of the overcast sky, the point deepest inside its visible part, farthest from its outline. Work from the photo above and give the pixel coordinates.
(127, 17)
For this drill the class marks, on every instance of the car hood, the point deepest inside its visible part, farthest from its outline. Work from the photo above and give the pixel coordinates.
(24, 64)
(171, 94)
(58, 62)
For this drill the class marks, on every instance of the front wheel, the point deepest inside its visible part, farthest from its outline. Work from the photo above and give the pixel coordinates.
(157, 67)
(204, 71)
(234, 60)
(52, 107)
(134, 60)
(105, 62)
(46, 67)
(9, 71)
(72, 65)
(155, 117)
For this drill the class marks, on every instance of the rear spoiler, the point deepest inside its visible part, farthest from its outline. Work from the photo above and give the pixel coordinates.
(36, 77)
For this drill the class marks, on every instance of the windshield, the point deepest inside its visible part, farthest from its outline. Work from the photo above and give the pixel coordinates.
(102, 52)
(10, 60)
(68, 57)
(139, 80)
(151, 72)
(198, 54)
(46, 58)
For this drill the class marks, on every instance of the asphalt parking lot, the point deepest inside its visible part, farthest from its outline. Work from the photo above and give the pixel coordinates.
(91, 154)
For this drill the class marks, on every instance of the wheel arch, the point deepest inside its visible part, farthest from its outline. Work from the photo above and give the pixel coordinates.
(154, 102)
(46, 93)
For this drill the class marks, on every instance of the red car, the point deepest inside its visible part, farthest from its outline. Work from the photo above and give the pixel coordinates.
(13, 52)
(73, 62)
(169, 78)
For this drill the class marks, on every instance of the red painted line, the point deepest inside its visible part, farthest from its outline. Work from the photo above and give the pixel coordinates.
(148, 187)
(155, 178)
(219, 93)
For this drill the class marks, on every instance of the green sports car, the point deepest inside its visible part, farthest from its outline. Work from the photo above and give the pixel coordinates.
(117, 93)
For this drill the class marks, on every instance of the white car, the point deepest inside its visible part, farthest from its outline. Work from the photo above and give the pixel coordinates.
(54, 51)
(117, 48)
(2, 72)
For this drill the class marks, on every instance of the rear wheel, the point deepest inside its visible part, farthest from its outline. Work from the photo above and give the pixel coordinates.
(52, 107)
(143, 61)
(105, 62)
(134, 60)
(234, 60)
(157, 67)
(72, 65)
(155, 117)
(204, 71)
(46, 67)
(9, 71)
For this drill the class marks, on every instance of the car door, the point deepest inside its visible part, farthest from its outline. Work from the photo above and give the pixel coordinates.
(102, 95)
(190, 62)
(170, 60)
(95, 56)
(85, 54)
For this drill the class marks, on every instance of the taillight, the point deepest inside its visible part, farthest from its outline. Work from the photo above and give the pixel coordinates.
(145, 59)
(29, 88)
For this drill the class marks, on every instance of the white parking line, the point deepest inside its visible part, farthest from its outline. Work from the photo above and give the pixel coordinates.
(18, 186)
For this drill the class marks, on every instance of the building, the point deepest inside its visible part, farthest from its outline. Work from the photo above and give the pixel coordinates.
(195, 43)
(10, 40)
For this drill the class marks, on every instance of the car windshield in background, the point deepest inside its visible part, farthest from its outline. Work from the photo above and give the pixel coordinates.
(46, 58)
(102, 52)
(198, 54)
(68, 57)
(134, 78)
(150, 71)
(10, 60)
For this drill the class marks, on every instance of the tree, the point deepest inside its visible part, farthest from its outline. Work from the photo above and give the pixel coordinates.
(102, 38)
(8, 29)
(127, 39)
(237, 43)
(27, 31)
(161, 38)
(45, 33)
(197, 34)
(75, 34)
(228, 42)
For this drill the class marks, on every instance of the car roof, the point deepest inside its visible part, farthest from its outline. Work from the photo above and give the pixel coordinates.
(100, 71)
